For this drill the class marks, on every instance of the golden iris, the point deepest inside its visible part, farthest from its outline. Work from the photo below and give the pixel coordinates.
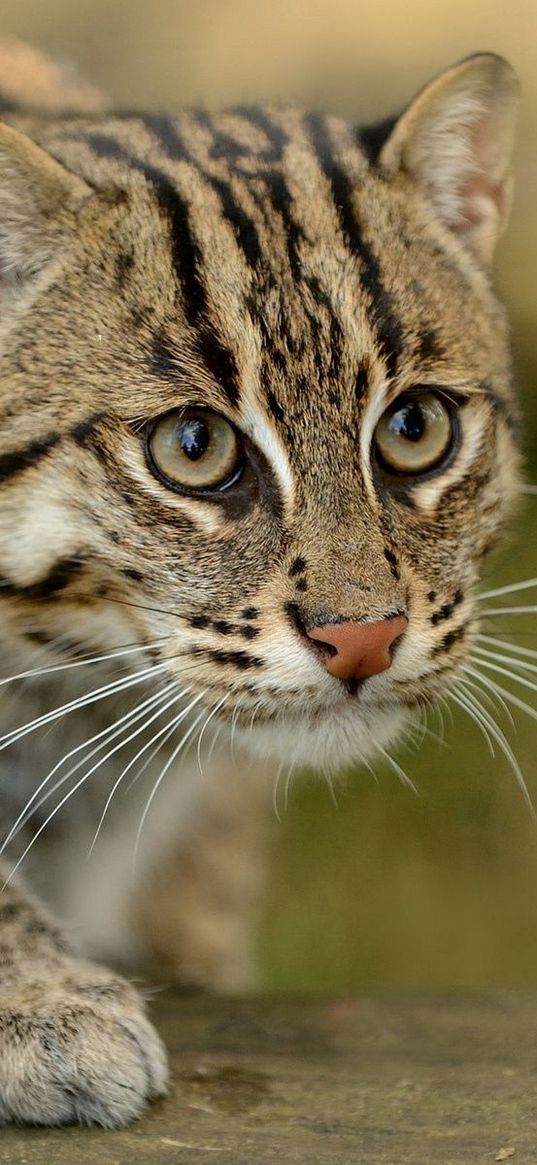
(195, 449)
(415, 434)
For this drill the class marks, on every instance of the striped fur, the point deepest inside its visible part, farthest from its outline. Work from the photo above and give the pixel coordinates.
(296, 275)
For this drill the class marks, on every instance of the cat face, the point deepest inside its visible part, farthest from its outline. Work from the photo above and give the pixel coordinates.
(256, 383)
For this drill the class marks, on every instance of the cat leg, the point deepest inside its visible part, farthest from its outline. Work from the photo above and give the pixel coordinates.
(197, 908)
(75, 1045)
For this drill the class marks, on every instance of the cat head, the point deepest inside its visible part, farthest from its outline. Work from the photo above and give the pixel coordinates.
(256, 401)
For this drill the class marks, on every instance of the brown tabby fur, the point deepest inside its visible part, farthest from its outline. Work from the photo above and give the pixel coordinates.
(296, 276)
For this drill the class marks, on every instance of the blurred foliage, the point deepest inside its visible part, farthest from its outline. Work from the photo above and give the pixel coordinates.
(440, 888)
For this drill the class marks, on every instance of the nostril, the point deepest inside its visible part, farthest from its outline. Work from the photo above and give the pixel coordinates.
(326, 649)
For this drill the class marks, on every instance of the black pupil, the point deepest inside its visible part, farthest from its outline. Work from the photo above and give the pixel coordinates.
(193, 436)
(409, 422)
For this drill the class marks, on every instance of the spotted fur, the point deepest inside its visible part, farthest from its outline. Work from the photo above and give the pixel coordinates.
(295, 274)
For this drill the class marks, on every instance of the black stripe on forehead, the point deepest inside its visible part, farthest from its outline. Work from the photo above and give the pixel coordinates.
(223, 145)
(165, 361)
(245, 232)
(221, 362)
(188, 264)
(187, 256)
(385, 318)
(271, 171)
(274, 133)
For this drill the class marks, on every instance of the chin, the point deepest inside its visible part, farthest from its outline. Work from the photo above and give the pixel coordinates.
(329, 742)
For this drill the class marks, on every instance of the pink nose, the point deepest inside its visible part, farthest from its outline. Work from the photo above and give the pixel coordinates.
(361, 649)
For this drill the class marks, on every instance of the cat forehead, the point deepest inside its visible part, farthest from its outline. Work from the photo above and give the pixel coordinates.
(262, 248)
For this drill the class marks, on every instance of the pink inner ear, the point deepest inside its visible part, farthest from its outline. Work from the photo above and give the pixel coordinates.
(483, 197)
(480, 194)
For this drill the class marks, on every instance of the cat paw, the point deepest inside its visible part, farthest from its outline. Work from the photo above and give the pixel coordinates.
(77, 1050)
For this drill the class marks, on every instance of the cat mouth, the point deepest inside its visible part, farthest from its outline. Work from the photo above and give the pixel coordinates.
(303, 707)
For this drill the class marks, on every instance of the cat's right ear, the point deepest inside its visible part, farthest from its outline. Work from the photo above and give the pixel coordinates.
(455, 141)
(39, 200)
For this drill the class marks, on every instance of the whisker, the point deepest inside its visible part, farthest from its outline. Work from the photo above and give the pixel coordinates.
(488, 691)
(236, 712)
(503, 744)
(508, 695)
(82, 781)
(462, 699)
(161, 776)
(57, 667)
(503, 657)
(109, 733)
(504, 671)
(525, 585)
(128, 603)
(275, 786)
(80, 702)
(403, 777)
(67, 797)
(257, 708)
(493, 611)
(217, 733)
(166, 731)
(210, 716)
(528, 651)
(169, 730)
(331, 790)
(287, 787)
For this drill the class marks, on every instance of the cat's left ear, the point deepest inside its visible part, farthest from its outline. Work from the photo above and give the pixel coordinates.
(455, 140)
(39, 201)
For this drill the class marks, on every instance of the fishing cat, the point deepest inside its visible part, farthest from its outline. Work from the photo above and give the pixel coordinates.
(256, 436)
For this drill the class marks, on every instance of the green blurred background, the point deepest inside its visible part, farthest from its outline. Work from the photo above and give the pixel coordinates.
(438, 889)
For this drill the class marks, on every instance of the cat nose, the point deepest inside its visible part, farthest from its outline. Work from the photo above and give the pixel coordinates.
(353, 651)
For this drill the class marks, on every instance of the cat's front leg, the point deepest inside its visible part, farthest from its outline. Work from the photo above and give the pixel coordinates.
(75, 1045)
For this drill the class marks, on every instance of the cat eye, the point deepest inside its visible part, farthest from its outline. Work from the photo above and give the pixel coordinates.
(416, 434)
(194, 449)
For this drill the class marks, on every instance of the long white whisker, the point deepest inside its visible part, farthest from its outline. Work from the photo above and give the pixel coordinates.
(507, 695)
(288, 786)
(92, 697)
(132, 649)
(210, 716)
(505, 671)
(493, 611)
(275, 786)
(161, 776)
(109, 733)
(403, 777)
(236, 711)
(85, 777)
(217, 733)
(461, 698)
(167, 729)
(503, 657)
(331, 790)
(503, 744)
(257, 706)
(525, 585)
(488, 692)
(528, 651)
